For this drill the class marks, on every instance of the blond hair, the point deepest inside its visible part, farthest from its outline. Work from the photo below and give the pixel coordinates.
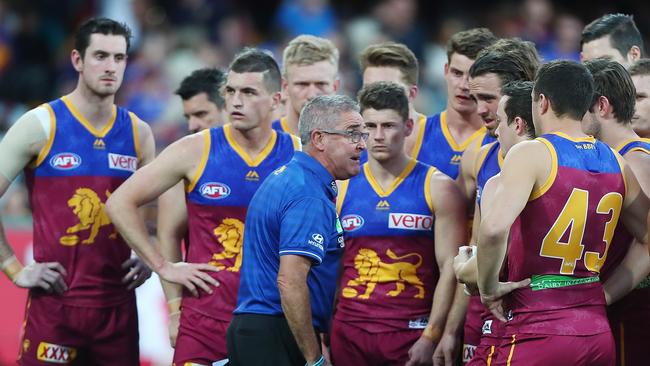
(391, 54)
(308, 50)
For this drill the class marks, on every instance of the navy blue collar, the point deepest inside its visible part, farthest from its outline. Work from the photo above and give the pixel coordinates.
(318, 170)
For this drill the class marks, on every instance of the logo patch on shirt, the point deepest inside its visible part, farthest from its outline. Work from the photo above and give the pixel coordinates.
(214, 190)
(352, 222)
(487, 327)
(252, 176)
(65, 161)
(455, 160)
(99, 144)
(122, 162)
(419, 323)
(316, 240)
(54, 353)
(382, 205)
(410, 221)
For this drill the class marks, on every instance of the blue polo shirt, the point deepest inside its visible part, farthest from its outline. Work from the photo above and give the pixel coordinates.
(292, 213)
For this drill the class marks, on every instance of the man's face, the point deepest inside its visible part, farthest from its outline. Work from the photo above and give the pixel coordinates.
(591, 124)
(387, 133)
(305, 82)
(342, 154)
(457, 75)
(102, 66)
(201, 113)
(641, 119)
(486, 91)
(602, 48)
(391, 74)
(506, 133)
(247, 101)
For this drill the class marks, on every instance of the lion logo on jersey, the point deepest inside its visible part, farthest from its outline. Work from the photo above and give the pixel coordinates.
(371, 271)
(230, 234)
(89, 209)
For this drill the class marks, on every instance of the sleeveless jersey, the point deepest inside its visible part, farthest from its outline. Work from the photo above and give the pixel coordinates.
(437, 147)
(68, 184)
(389, 267)
(488, 165)
(561, 238)
(217, 199)
(280, 125)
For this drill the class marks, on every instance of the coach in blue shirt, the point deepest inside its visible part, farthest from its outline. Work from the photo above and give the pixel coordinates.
(293, 242)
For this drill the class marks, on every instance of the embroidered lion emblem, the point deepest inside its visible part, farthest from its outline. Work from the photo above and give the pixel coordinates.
(371, 271)
(89, 209)
(230, 233)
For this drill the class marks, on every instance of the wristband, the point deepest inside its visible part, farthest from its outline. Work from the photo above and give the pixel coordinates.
(11, 267)
(321, 361)
(432, 334)
(174, 305)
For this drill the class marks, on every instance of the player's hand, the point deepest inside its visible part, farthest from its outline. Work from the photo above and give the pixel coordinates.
(190, 275)
(47, 275)
(447, 351)
(421, 352)
(494, 300)
(464, 255)
(138, 272)
(174, 321)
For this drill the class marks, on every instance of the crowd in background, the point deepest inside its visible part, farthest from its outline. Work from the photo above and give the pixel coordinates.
(173, 38)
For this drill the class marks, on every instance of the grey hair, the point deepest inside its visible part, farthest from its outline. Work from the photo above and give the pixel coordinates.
(323, 112)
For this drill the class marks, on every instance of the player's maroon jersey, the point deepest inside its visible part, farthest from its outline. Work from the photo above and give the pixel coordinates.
(389, 263)
(68, 184)
(217, 201)
(560, 240)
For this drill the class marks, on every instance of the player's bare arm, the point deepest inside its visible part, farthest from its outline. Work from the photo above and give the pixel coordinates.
(467, 176)
(20, 146)
(520, 176)
(294, 295)
(450, 232)
(640, 163)
(178, 162)
(635, 206)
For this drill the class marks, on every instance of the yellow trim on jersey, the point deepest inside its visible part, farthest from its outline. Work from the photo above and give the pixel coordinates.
(297, 145)
(50, 139)
(639, 149)
(240, 151)
(489, 359)
(450, 139)
(480, 159)
(422, 122)
(204, 160)
(551, 177)
(500, 157)
(104, 131)
(343, 189)
(136, 134)
(575, 139)
(285, 126)
(512, 350)
(427, 190)
(626, 142)
(377, 188)
(621, 165)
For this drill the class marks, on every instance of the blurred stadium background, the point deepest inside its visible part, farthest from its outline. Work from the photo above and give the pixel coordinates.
(174, 37)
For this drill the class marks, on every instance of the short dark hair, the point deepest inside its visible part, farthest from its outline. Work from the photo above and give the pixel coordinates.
(519, 104)
(568, 86)
(612, 81)
(640, 67)
(255, 60)
(469, 42)
(384, 95)
(391, 54)
(510, 59)
(208, 81)
(620, 28)
(103, 26)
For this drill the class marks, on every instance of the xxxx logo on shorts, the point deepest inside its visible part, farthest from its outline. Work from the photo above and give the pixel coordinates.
(54, 353)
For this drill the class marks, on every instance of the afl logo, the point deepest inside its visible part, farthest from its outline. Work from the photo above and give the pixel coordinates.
(65, 161)
(214, 190)
(352, 222)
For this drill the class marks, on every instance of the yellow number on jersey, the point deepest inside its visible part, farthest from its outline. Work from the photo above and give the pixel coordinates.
(573, 218)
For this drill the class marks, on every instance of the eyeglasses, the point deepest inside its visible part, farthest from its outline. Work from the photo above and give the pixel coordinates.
(354, 136)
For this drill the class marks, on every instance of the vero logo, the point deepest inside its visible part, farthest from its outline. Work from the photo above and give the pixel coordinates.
(410, 221)
(65, 161)
(122, 162)
(214, 190)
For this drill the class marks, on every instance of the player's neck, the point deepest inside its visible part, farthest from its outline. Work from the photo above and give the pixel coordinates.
(568, 126)
(96, 109)
(462, 125)
(411, 139)
(617, 133)
(385, 172)
(252, 141)
(292, 121)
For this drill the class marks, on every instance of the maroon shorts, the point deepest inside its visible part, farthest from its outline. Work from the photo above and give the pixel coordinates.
(201, 339)
(629, 319)
(543, 350)
(472, 328)
(484, 354)
(350, 345)
(55, 333)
